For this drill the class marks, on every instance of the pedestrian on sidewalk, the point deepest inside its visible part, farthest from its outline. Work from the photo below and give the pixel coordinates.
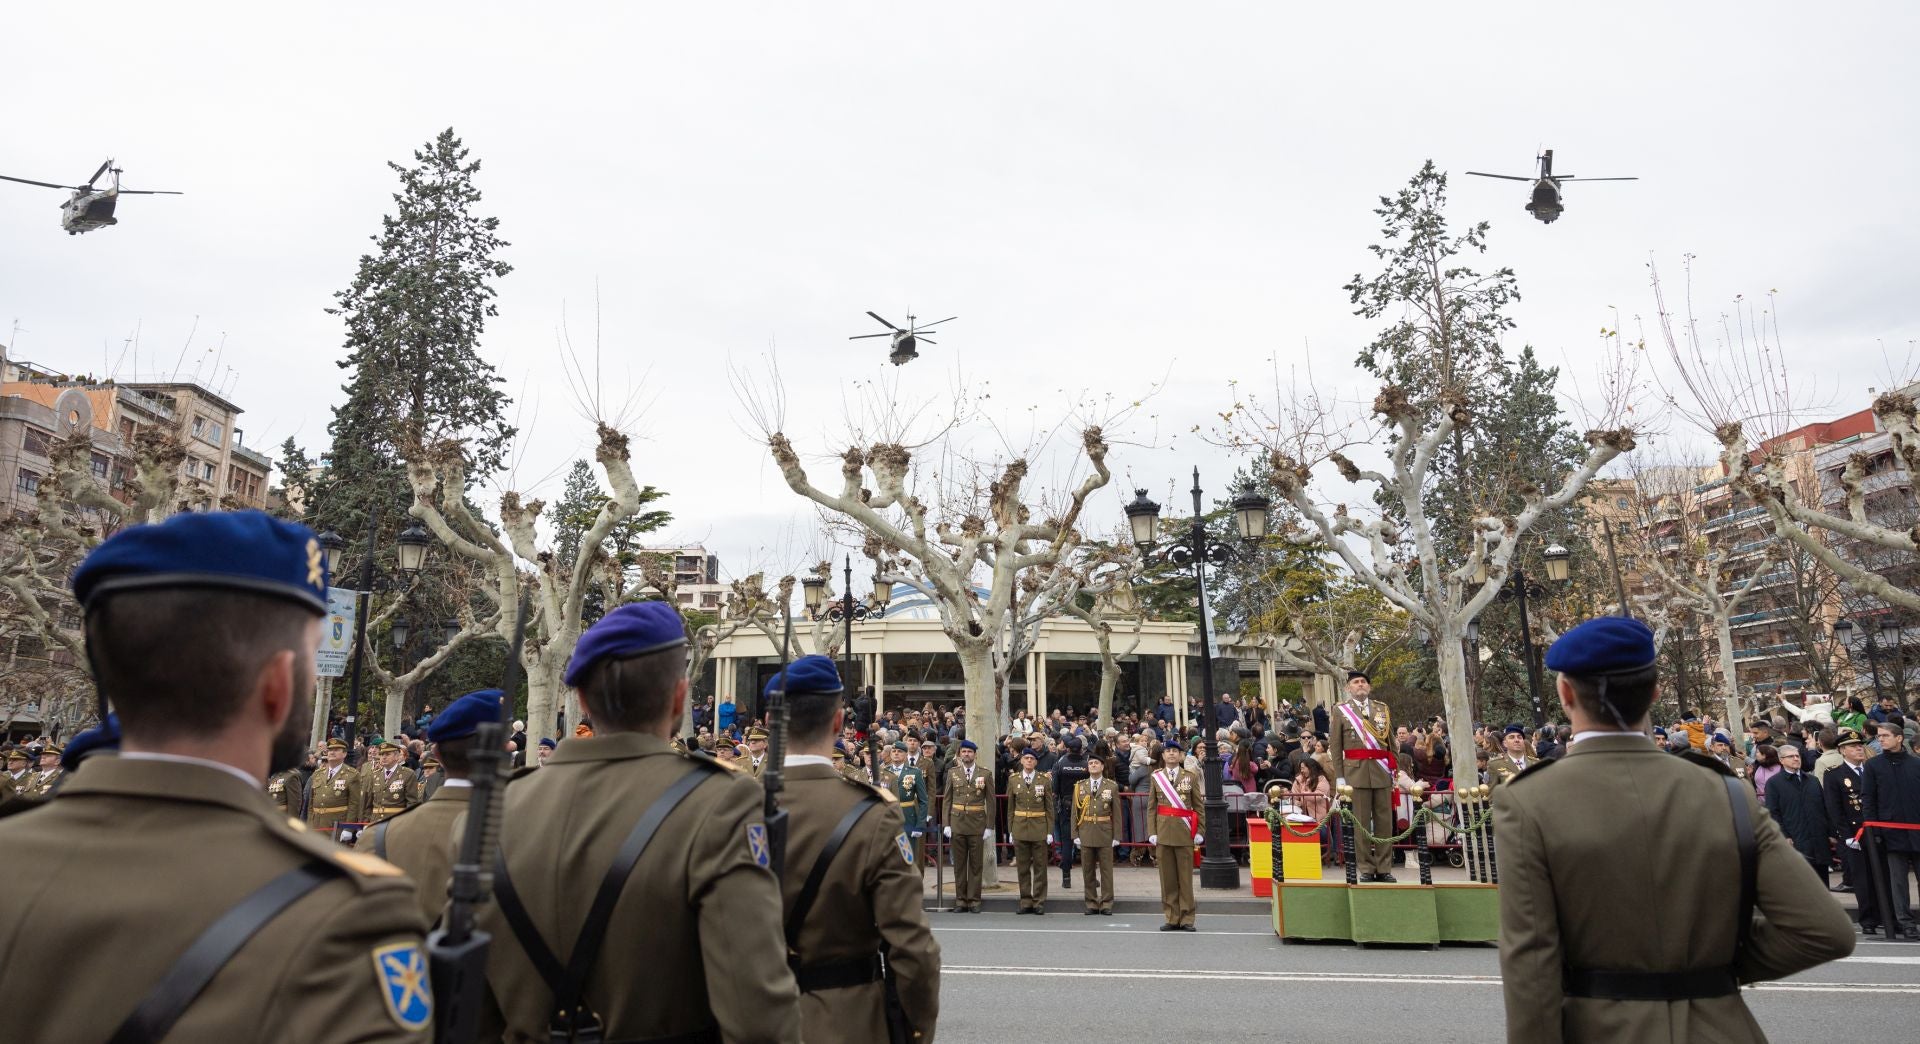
(1795, 801)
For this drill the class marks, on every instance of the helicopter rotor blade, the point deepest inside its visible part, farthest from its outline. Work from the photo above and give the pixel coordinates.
(1507, 177)
(150, 192)
(926, 340)
(862, 337)
(42, 184)
(1570, 177)
(97, 173)
(883, 322)
(937, 322)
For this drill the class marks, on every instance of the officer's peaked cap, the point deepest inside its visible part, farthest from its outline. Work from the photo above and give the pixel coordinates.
(630, 630)
(1603, 645)
(812, 673)
(235, 550)
(465, 715)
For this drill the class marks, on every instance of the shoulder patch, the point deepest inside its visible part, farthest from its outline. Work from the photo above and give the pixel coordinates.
(369, 865)
(1706, 761)
(757, 845)
(905, 846)
(1538, 766)
(402, 971)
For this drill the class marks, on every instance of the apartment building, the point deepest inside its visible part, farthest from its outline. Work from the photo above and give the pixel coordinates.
(696, 576)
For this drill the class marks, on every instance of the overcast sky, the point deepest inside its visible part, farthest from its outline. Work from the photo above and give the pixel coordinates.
(1101, 192)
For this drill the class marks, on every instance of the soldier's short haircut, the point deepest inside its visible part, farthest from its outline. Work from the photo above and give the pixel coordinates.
(627, 695)
(179, 662)
(456, 756)
(810, 714)
(1627, 696)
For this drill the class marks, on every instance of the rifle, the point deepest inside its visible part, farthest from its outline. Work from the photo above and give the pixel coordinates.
(773, 776)
(457, 950)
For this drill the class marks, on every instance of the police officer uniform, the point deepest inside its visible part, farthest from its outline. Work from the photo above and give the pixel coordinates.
(388, 791)
(423, 839)
(1096, 802)
(867, 913)
(127, 842)
(697, 925)
(969, 827)
(1030, 815)
(333, 793)
(1626, 876)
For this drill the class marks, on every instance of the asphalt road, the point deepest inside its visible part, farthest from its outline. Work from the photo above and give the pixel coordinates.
(1009, 978)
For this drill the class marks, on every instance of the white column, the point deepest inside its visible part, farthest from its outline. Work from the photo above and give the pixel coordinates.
(1040, 675)
(322, 706)
(1269, 692)
(877, 670)
(1180, 709)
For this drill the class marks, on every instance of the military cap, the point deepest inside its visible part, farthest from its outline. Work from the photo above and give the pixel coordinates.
(1603, 645)
(429, 760)
(1360, 675)
(838, 754)
(967, 744)
(547, 743)
(1848, 737)
(756, 733)
(465, 715)
(17, 755)
(1515, 729)
(52, 748)
(809, 673)
(235, 550)
(1660, 732)
(1097, 755)
(1074, 744)
(104, 736)
(1721, 737)
(1172, 744)
(1030, 753)
(630, 630)
(334, 744)
(899, 745)
(388, 745)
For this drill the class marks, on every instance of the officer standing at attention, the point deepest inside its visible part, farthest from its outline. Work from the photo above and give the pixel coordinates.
(1513, 758)
(1095, 800)
(865, 914)
(287, 793)
(1359, 740)
(389, 789)
(694, 938)
(41, 782)
(756, 759)
(333, 791)
(1029, 811)
(15, 777)
(969, 790)
(201, 631)
(1175, 796)
(910, 788)
(423, 839)
(1639, 891)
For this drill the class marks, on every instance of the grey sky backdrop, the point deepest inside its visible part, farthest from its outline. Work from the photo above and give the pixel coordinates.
(1099, 191)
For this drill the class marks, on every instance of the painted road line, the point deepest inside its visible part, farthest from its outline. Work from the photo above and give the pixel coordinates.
(1363, 978)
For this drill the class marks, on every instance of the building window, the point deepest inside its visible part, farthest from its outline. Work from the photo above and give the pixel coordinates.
(216, 432)
(27, 481)
(199, 426)
(128, 430)
(119, 478)
(100, 465)
(207, 471)
(709, 599)
(36, 442)
(1623, 502)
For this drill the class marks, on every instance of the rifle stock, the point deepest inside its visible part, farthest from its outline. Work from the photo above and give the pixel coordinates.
(457, 951)
(773, 777)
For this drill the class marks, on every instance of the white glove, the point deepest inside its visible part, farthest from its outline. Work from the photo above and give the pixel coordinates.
(949, 831)
(1049, 839)
(1853, 844)
(1076, 840)
(1153, 839)
(987, 834)
(915, 833)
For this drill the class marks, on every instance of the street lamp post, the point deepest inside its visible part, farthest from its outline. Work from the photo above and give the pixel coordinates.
(1217, 867)
(1519, 588)
(412, 554)
(1892, 631)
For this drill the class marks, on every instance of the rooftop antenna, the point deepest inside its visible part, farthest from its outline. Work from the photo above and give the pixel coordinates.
(182, 360)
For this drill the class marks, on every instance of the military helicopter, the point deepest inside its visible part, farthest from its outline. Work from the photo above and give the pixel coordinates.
(1545, 204)
(904, 341)
(88, 208)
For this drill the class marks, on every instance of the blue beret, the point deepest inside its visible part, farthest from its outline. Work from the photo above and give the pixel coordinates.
(630, 630)
(238, 550)
(969, 745)
(1515, 729)
(809, 673)
(464, 715)
(1603, 645)
(1721, 737)
(547, 743)
(104, 736)
(1172, 744)
(1660, 732)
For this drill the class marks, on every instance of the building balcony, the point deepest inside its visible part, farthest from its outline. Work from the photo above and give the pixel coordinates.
(1749, 619)
(1751, 546)
(149, 403)
(258, 461)
(1767, 652)
(1833, 494)
(1733, 518)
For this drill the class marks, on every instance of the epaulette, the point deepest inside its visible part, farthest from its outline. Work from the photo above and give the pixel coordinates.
(706, 758)
(885, 794)
(1538, 766)
(1706, 761)
(367, 864)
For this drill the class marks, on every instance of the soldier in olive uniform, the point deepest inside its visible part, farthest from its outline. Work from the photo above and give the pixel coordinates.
(698, 920)
(866, 919)
(756, 760)
(287, 791)
(1175, 797)
(1096, 799)
(13, 781)
(40, 784)
(1030, 818)
(1513, 758)
(333, 791)
(422, 840)
(388, 790)
(908, 782)
(1622, 915)
(201, 631)
(432, 775)
(969, 827)
(1360, 739)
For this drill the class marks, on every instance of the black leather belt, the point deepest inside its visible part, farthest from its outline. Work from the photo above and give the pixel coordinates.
(1699, 984)
(834, 975)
